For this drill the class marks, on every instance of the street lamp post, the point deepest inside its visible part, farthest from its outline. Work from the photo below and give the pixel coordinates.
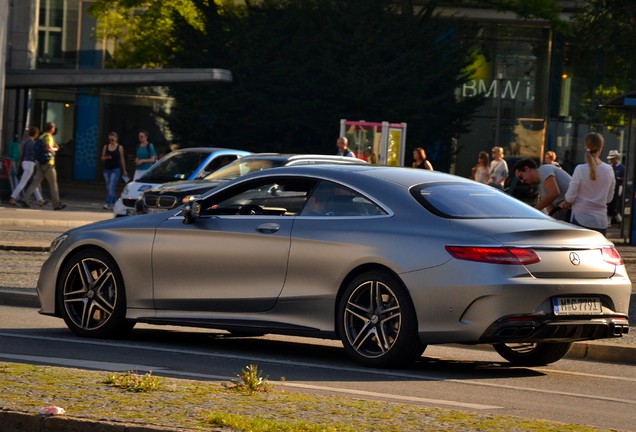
(499, 98)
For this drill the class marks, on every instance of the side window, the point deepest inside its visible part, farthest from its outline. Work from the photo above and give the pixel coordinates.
(216, 163)
(330, 199)
(281, 197)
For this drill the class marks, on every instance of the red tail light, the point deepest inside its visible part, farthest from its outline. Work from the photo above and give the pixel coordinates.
(494, 255)
(611, 255)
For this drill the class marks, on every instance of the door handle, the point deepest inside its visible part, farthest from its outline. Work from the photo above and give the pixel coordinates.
(268, 228)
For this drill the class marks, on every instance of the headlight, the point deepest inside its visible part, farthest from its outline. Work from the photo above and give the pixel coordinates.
(57, 242)
(125, 191)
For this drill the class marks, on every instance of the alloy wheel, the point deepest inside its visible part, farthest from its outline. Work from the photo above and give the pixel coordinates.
(372, 319)
(90, 294)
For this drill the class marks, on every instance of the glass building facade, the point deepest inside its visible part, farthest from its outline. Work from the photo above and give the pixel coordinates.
(530, 103)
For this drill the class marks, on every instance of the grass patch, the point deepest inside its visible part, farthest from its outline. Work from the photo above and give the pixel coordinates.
(202, 405)
(133, 382)
(251, 380)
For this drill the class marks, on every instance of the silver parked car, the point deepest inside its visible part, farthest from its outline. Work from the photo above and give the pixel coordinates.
(386, 259)
(170, 195)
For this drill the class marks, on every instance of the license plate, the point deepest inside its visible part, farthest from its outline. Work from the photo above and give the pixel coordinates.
(577, 306)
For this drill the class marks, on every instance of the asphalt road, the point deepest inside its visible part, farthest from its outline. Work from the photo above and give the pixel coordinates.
(570, 391)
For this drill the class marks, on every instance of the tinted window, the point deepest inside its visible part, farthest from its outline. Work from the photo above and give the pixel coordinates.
(175, 166)
(471, 200)
(241, 167)
(274, 197)
(217, 163)
(330, 199)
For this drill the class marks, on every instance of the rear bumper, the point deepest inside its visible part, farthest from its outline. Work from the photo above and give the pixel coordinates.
(555, 329)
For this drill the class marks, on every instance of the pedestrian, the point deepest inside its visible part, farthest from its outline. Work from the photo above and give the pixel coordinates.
(481, 171)
(114, 166)
(46, 169)
(553, 183)
(146, 155)
(419, 159)
(550, 157)
(343, 147)
(591, 188)
(27, 158)
(614, 207)
(498, 169)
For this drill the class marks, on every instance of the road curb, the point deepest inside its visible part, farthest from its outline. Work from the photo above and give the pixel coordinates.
(603, 352)
(15, 421)
(44, 223)
(25, 248)
(19, 297)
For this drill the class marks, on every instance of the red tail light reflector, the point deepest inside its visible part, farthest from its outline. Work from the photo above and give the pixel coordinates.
(494, 255)
(611, 255)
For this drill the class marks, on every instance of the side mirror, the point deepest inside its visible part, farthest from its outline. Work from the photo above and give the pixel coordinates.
(191, 211)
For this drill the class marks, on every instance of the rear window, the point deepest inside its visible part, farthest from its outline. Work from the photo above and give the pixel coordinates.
(243, 166)
(175, 166)
(471, 201)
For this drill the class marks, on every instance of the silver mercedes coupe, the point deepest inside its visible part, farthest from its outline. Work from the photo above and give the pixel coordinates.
(388, 260)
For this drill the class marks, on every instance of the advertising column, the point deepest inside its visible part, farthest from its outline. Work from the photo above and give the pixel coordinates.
(88, 105)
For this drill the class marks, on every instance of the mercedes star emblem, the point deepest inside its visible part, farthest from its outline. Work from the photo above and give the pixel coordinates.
(574, 258)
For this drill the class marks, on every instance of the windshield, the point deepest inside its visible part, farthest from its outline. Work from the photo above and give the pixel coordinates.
(174, 166)
(243, 166)
(471, 201)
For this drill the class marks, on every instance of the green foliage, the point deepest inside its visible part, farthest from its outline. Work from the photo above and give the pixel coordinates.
(602, 53)
(250, 381)
(258, 424)
(133, 382)
(603, 117)
(301, 66)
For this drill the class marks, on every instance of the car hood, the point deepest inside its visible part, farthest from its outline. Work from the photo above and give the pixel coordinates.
(151, 221)
(185, 186)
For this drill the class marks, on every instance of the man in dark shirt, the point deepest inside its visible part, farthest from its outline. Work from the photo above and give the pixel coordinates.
(614, 208)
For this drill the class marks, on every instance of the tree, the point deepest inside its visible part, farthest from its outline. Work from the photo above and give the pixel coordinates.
(300, 66)
(602, 55)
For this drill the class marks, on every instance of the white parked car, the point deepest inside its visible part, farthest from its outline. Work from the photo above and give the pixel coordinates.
(184, 164)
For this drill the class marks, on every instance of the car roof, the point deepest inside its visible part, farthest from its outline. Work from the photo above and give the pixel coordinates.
(289, 158)
(209, 150)
(405, 177)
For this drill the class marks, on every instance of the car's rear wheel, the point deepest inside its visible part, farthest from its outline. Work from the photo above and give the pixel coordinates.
(533, 354)
(91, 296)
(377, 321)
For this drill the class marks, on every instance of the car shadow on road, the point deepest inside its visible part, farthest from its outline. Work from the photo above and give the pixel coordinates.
(290, 358)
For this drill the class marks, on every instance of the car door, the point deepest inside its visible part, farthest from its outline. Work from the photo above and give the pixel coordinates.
(232, 258)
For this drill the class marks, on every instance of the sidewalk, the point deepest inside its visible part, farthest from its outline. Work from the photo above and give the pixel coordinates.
(33, 229)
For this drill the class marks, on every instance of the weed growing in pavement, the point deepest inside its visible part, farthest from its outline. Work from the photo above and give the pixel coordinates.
(250, 381)
(134, 382)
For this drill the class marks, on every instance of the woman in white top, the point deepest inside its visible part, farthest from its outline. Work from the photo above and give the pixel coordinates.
(481, 171)
(591, 188)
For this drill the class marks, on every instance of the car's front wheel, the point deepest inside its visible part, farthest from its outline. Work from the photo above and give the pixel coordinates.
(377, 321)
(91, 296)
(533, 354)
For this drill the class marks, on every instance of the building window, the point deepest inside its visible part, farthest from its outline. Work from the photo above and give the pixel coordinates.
(57, 33)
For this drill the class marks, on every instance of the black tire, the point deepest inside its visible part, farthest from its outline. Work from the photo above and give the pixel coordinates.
(91, 296)
(377, 322)
(533, 354)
